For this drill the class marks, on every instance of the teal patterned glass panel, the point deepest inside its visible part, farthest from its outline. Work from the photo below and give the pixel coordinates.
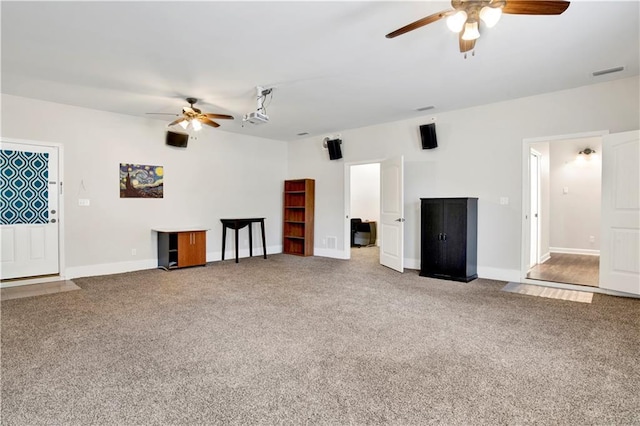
(24, 186)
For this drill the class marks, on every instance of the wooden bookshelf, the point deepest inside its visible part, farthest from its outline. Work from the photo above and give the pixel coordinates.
(299, 206)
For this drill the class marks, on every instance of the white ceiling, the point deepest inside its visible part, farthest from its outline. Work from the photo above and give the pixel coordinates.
(329, 63)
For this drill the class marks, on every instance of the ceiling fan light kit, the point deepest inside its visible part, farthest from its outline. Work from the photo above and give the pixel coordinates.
(194, 117)
(456, 21)
(466, 15)
(471, 31)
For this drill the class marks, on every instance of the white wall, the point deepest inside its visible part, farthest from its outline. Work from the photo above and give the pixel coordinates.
(575, 216)
(479, 155)
(219, 175)
(365, 192)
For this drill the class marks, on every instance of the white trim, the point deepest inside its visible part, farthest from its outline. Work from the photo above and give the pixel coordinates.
(215, 256)
(61, 219)
(412, 264)
(498, 274)
(334, 254)
(538, 155)
(525, 243)
(564, 250)
(582, 135)
(545, 257)
(110, 268)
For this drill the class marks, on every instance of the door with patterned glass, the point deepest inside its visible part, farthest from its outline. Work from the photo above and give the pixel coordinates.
(29, 228)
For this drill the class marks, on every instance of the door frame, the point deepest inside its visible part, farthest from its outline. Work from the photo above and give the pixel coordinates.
(525, 247)
(61, 210)
(534, 153)
(346, 250)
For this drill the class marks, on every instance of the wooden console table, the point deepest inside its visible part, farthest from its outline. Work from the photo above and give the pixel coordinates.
(237, 224)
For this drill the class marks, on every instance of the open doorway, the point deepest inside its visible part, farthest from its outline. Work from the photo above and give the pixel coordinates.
(564, 207)
(364, 205)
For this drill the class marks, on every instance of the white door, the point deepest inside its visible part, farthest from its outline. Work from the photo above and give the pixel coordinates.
(392, 213)
(28, 210)
(620, 246)
(534, 255)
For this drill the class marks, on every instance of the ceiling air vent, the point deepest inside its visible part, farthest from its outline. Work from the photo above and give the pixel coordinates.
(427, 108)
(607, 71)
(303, 134)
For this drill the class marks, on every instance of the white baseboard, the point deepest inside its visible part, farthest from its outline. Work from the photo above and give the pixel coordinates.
(545, 257)
(139, 265)
(109, 268)
(498, 274)
(215, 256)
(412, 263)
(564, 250)
(332, 253)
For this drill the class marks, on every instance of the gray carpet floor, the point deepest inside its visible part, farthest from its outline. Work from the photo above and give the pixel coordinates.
(292, 340)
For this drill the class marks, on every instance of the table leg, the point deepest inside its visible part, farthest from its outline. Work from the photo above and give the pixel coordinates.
(264, 243)
(236, 244)
(250, 240)
(224, 238)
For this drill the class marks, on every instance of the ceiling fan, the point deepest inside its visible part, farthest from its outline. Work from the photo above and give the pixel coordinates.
(195, 117)
(466, 16)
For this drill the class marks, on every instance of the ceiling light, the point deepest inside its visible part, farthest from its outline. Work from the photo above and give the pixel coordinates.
(196, 125)
(490, 15)
(456, 21)
(184, 124)
(471, 31)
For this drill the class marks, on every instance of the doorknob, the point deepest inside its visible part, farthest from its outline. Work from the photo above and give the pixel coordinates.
(401, 219)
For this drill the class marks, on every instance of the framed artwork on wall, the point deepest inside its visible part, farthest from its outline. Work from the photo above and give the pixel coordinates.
(141, 181)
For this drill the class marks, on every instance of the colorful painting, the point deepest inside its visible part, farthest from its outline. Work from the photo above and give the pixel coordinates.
(139, 181)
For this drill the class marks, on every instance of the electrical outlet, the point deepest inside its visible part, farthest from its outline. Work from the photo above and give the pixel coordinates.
(84, 202)
(134, 252)
(592, 239)
(504, 201)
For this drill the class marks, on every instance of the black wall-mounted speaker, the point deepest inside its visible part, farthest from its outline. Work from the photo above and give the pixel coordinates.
(177, 139)
(428, 136)
(335, 152)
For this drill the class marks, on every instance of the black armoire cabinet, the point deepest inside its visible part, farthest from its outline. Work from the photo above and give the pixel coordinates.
(449, 238)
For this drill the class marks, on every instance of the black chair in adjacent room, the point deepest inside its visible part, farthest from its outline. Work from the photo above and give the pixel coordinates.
(354, 228)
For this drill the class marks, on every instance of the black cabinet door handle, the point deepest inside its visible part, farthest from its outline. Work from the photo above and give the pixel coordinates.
(444, 237)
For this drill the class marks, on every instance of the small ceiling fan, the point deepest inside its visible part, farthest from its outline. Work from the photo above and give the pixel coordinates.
(466, 16)
(195, 117)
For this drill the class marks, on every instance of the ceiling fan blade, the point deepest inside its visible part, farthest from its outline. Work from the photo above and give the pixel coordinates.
(466, 45)
(419, 23)
(222, 116)
(179, 120)
(209, 122)
(535, 7)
